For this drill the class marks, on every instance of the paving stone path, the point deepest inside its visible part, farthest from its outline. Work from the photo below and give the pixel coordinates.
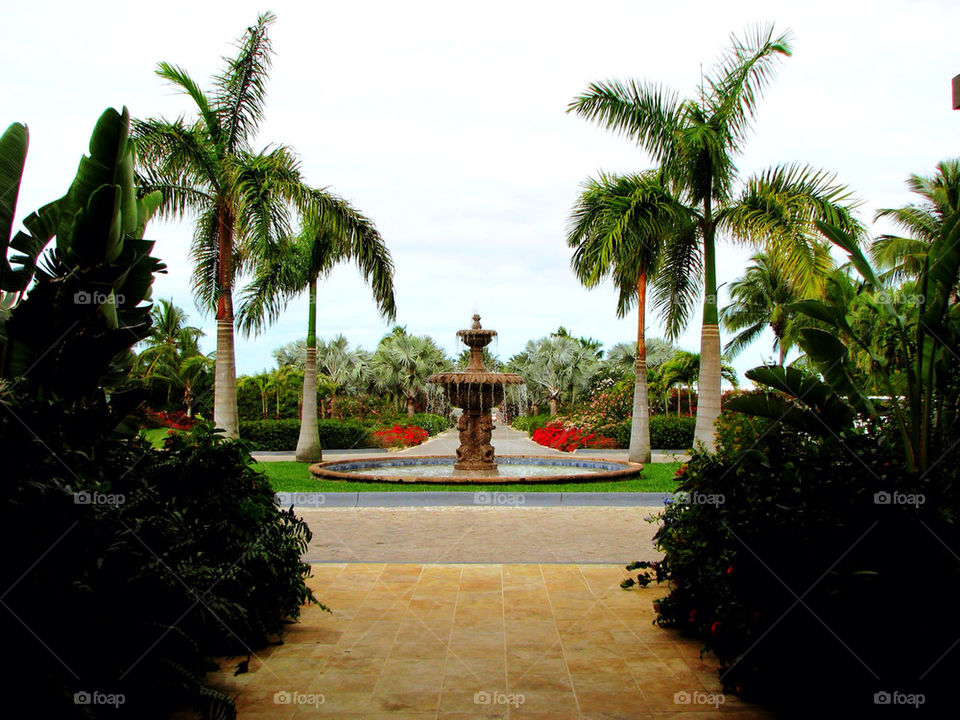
(498, 611)
(462, 642)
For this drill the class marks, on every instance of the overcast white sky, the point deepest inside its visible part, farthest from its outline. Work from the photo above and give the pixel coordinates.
(445, 123)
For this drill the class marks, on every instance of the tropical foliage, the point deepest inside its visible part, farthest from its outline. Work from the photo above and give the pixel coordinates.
(620, 227)
(696, 142)
(129, 536)
(295, 267)
(823, 491)
(241, 198)
(555, 368)
(403, 362)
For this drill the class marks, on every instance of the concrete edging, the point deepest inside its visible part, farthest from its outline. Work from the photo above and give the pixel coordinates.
(498, 498)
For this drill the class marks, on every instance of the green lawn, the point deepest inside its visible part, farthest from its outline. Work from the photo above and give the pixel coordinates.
(155, 436)
(296, 477)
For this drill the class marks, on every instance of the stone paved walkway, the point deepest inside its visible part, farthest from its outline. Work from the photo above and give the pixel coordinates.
(503, 611)
(480, 641)
(501, 534)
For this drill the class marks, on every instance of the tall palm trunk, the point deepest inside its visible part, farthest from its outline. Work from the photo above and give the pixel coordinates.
(640, 428)
(225, 375)
(308, 444)
(708, 387)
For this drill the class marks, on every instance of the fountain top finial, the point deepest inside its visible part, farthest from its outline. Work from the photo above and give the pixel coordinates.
(476, 322)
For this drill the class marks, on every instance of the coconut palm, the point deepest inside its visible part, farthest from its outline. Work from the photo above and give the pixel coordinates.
(403, 362)
(683, 370)
(696, 142)
(171, 359)
(260, 383)
(240, 197)
(761, 299)
(297, 265)
(619, 227)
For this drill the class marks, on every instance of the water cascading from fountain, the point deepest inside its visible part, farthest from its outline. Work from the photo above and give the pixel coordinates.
(476, 390)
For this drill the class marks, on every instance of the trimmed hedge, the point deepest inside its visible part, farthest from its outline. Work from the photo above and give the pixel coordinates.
(530, 423)
(667, 432)
(283, 434)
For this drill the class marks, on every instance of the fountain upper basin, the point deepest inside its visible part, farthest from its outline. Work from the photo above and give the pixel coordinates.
(525, 469)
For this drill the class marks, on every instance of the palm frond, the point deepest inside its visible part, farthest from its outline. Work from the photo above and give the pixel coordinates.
(341, 233)
(618, 227)
(177, 161)
(679, 281)
(179, 77)
(278, 279)
(779, 208)
(205, 257)
(732, 90)
(262, 191)
(647, 114)
(242, 87)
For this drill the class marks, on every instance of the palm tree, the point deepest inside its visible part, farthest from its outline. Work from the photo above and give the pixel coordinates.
(347, 368)
(903, 257)
(172, 359)
(293, 353)
(761, 299)
(403, 362)
(555, 366)
(325, 240)
(696, 141)
(259, 382)
(619, 227)
(684, 369)
(240, 196)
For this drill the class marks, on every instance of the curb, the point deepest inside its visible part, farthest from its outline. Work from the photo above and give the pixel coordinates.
(309, 500)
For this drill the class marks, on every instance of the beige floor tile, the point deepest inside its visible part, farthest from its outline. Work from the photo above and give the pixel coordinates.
(465, 641)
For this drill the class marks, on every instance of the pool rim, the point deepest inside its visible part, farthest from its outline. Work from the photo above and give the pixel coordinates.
(626, 471)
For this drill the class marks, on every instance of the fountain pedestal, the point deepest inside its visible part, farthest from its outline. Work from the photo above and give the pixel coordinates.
(475, 451)
(477, 391)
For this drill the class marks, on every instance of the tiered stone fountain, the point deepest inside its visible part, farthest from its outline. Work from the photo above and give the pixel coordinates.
(476, 391)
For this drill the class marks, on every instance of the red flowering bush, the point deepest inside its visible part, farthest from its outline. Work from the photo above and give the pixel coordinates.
(175, 420)
(568, 439)
(400, 436)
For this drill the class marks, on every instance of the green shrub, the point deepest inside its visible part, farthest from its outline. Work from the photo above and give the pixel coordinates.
(283, 434)
(621, 433)
(529, 423)
(133, 565)
(672, 432)
(667, 432)
(430, 422)
(796, 516)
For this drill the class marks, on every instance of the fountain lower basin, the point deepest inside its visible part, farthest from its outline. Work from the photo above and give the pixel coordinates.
(439, 469)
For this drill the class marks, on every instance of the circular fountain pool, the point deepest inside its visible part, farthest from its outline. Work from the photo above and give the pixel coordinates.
(510, 469)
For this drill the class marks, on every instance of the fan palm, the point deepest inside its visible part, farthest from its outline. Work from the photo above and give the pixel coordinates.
(347, 368)
(619, 227)
(240, 197)
(403, 362)
(554, 366)
(696, 142)
(324, 241)
(761, 299)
